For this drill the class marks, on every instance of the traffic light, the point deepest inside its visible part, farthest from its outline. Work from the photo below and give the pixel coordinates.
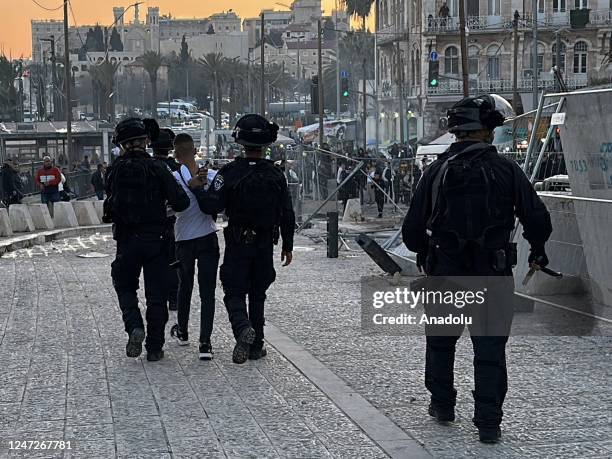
(314, 95)
(434, 74)
(344, 88)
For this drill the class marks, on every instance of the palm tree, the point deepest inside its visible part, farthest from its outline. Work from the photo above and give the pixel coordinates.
(103, 83)
(359, 8)
(215, 66)
(8, 94)
(151, 62)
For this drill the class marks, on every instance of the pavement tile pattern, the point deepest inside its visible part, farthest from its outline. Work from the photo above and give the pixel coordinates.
(64, 374)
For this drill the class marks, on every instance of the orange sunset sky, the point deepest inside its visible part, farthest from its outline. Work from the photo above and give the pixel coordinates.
(15, 15)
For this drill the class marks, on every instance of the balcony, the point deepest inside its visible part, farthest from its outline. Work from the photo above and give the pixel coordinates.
(449, 24)
(504, 87)
(437, 25)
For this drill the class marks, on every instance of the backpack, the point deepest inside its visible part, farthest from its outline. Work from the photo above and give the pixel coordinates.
(135, 193)
(465, 206)
(255, 199)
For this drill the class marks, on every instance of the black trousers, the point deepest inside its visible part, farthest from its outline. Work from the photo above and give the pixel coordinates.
(379, 197)
(136, 253)
(247, 270)
(489, 336)
(173, 275)
(206, 251)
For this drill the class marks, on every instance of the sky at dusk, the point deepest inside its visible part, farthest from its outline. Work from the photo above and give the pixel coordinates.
(15, 17)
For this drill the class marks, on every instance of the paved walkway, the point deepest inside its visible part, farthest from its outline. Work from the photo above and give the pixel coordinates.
(321, 391)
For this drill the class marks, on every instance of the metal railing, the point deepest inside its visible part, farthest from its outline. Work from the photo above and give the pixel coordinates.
(450, 24)
(505, 86)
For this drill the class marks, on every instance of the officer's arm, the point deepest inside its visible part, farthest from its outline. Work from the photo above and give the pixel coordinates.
(176, 196)
(415, 224)
(287, 222)
(213, 200)
(530, 210)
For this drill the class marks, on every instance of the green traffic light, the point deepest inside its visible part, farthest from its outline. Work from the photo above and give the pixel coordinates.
(345, 94)
(434, 82)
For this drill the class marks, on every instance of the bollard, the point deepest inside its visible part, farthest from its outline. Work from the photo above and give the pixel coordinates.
(332, 234)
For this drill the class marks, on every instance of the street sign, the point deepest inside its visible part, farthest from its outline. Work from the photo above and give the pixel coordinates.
(433, 56)
(344, 74)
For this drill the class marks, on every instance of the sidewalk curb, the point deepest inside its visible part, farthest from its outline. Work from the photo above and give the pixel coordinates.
(29, 240)
(384, 432)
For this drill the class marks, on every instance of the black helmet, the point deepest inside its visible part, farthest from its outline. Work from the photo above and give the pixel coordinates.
(165, 140)
(255, 131)
(478, 112)
(135, 128)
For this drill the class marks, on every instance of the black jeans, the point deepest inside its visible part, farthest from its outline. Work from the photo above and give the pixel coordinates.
(247, 270)
(206, 251)
(150, 254)
(379, 197)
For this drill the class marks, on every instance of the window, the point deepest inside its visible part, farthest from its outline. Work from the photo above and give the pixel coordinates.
(558, 6)
(473, 60)
(541, 6)
(580, 57)
(451, 60)
(561, 59)
(581, 3)
(493, 62)
(494, 7)
(540, 66)
(453, 6)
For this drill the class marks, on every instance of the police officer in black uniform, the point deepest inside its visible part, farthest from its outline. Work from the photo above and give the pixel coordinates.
(138, 190)
(253, 193)
(460, 223)
(161, 149)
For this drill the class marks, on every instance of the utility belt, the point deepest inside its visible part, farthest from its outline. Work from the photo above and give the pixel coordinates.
(499, 260)
(245, 235)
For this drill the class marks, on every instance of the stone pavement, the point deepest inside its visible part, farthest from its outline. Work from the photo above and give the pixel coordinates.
(64, 374)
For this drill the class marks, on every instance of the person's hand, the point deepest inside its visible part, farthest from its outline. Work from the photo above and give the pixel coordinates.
(286, 257)
(537, 256)
(197, 182)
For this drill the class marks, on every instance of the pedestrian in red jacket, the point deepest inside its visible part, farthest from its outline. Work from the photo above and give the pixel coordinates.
(48, 179)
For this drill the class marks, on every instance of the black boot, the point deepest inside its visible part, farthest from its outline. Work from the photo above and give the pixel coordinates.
(134, 344)
(489, 435)
(442, 415)
(243, 345)
(257, 351)
(154, 356)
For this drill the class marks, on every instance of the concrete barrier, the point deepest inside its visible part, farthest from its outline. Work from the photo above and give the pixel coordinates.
(5, 223)
(21, 221)
(99, 207)
(64, 216)
(352, 213)
(85, 213)
(41, 216)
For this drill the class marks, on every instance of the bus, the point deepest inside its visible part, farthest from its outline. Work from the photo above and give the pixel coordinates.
(178, 108)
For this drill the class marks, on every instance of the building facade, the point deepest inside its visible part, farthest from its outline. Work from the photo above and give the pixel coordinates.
(428, 30)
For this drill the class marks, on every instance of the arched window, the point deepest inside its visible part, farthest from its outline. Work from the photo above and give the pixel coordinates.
(562, 50)
(418, 66)
(580, 57)
(493, 62)
(540, 61)
(451, 60)
(473, 60)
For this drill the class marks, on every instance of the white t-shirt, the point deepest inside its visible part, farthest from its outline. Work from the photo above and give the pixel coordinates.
(192, 223)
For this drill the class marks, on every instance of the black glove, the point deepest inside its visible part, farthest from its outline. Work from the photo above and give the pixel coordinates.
(538, 256)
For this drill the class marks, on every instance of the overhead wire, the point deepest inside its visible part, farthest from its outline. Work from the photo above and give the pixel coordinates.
(47, 8)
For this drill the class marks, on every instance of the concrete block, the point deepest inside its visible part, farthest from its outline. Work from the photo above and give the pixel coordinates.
(99, 207)
(352, 213)
(20, 218)
(41, 217)
(64, 216)
(5, 223)
(85, 213)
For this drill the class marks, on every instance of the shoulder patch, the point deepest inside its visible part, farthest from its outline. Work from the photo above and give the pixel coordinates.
(218, 182)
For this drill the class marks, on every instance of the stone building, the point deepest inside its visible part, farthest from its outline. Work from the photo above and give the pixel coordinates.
(428, 30)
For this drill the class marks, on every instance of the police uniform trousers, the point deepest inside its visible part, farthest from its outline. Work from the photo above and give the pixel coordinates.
(147, 253)
(490, 373)
(173, 275)
(247, 271)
